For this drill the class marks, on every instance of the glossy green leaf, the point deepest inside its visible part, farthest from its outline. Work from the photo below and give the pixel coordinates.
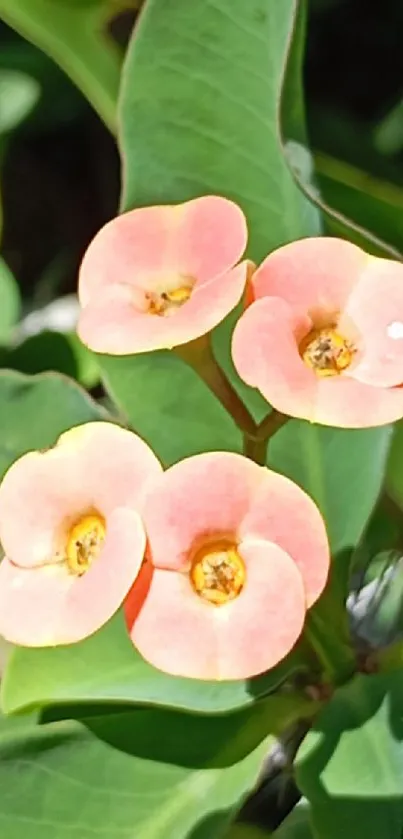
(165, 402)
(35, 410)
(200, 108)
(350, 765)
(143, 775)
(10, 299)
(19, 94)
(73, 35)
(342, 469)
(107, 668)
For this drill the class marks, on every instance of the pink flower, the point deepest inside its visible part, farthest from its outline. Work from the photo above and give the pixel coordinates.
(323, 339)
(71, 533)
(159, 277)
(236, 555)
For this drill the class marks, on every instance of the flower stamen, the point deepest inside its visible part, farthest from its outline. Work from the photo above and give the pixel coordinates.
(326, 351)
(167, 302)
(84, 543)
(218, 573)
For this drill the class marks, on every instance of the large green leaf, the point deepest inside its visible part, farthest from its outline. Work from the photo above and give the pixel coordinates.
(35, 410)
(342, 469)
(350, 765)
(164, 400)
(106, 668)
(74, 35)
(199, 112)
(143, 775)
(200, 108)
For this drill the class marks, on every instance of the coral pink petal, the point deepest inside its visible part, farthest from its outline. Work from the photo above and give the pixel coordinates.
(200, 238)
(285, 515)
(201, 496)
(116, 465)
(180, 633)
(376, 310)
(36, 495)
(211, 237)
(112, 324)
(32, 602)
(347, 403)
(94, 466)
(99, 593)
(265, 354)
(316, 273)
(48, 606)
(130, 246)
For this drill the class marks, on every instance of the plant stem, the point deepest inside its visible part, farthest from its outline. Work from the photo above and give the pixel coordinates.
(271, 424)
(199, 355)
(255, 449)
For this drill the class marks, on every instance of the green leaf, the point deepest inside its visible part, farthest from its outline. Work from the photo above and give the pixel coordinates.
(143, 775)
(200, 108)
(19, 94)
(35, 410)
(342, 469)
(350, 765)
(73, 35)
(10, 299)
(199, 111)
(165, 402)
(345, 212)
(375, 205)
(49, 350)
(297, 825)
(394, 474)
(340, 219)
(246, 831)
(107, 668)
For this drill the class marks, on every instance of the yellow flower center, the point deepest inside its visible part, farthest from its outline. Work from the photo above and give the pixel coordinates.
(326, 351)
(84, 543)
(168, 301)
(218, 573)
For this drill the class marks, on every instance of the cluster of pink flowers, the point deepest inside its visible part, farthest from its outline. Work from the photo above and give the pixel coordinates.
(321, 336)
(216, 559)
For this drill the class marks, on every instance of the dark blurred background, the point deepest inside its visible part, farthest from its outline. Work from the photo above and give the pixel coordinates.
(60, 172)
